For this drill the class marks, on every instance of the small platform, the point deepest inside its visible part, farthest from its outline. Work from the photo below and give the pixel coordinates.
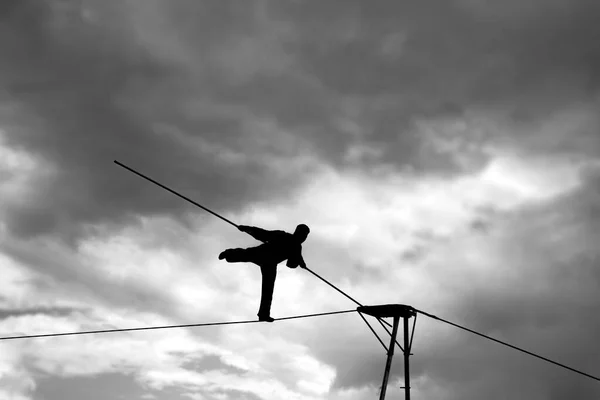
(388, 311)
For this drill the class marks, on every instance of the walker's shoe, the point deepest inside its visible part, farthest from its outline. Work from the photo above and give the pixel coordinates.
(265, 318)
(222, 255)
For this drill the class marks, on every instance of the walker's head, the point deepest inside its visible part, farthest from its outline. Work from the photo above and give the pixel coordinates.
(301, 232)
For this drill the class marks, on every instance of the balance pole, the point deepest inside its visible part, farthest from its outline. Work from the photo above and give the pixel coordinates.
(174, 192)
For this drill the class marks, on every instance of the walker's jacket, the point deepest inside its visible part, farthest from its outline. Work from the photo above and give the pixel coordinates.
(277, 246)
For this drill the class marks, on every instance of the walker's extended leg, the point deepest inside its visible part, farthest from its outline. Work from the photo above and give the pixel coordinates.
(235, 255)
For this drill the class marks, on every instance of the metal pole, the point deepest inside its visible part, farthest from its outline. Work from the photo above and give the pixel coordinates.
(390, 355)
(406, 355)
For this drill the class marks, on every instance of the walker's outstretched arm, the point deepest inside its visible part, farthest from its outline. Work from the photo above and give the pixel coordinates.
(257, 233)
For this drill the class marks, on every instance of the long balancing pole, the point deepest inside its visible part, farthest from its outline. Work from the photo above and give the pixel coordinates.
(174, 192)
(390, 355)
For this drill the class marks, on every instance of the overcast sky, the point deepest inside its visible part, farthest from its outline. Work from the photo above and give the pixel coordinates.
(445, 153)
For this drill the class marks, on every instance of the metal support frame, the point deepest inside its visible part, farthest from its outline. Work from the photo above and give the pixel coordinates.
(388, 362)
(395, 311)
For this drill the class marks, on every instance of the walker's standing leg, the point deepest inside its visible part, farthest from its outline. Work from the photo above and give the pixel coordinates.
(390, 355)
(269, 273)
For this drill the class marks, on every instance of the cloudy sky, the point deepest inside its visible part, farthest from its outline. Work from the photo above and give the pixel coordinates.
(446, 155)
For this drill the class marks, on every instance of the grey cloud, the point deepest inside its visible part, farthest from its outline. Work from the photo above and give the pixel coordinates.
(233, 394)
(53, 311)
(211, 362)
(452, 60)
(80, 281)
(112, 386)
(101, 387)
(450, 51)
(355, 369)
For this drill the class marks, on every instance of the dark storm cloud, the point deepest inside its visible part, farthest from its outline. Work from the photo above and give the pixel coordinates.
(448, 57)
(86, 93)
(152, 82)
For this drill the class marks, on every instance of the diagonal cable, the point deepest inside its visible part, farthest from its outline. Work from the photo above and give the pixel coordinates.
(507, 344)
(373, 330)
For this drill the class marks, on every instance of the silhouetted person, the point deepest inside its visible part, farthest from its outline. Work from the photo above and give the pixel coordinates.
(277, 246)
